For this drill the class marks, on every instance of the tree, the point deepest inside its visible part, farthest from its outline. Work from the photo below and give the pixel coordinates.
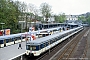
(8, 15)
(45, 10)
(56, 18)
(82, 18)
(88, 19)
(31, 10)
(23, 10)
(60, 18)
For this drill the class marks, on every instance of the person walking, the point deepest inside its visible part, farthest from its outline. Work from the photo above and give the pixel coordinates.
(20, 46)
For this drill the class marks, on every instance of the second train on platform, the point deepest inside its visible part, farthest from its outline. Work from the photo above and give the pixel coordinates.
(39, 46)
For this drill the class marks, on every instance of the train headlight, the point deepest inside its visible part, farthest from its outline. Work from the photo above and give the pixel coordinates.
(27, 53)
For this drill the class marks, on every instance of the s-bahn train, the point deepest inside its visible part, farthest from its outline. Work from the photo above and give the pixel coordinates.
(39, 46)
(10, 39)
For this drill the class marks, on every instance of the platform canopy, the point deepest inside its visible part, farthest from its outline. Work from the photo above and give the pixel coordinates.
(72, 24)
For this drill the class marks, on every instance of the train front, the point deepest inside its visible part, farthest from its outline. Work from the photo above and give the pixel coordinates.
(32, 49)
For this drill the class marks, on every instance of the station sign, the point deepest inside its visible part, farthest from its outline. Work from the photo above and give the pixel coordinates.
(1, 33)
(7, 31)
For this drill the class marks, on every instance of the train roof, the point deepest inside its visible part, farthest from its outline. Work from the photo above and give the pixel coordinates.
(43, 39)
(52, 23)
(62, 23)
(47, 38)
(37, 32)
(9, 36)
(20, 34)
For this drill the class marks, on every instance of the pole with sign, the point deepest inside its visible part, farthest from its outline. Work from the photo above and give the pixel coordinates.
(49, 41)
(30, 30)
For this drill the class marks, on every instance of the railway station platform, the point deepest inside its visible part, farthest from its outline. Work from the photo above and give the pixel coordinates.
(11, 52)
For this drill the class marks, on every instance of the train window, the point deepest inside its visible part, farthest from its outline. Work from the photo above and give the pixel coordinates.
(42, 46)
(10, 40)
(63, 35)
(18, 38)
(33, 48)
(53, 41)
(15, 39)
(28, 47)
(56, 39)
(7, 40)
(66, 34)
(50, 41)
(47, 43)
(1, 41)
(60, 37)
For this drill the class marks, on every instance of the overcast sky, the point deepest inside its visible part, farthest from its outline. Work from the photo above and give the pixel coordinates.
(72, 7)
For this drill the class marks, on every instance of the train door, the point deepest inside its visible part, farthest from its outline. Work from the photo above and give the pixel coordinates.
(4, 43)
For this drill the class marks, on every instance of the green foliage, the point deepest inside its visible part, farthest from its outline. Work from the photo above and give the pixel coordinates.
(9, 14)
(88, 19)
(60, 18)
(82, 18)
(45, 10)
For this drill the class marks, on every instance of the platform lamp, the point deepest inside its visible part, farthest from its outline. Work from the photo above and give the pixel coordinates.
(49, 41)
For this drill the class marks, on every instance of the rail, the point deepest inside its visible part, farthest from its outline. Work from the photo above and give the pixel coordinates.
(70, 48)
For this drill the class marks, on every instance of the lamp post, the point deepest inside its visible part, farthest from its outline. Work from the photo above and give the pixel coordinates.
(49, 41)
(22, 22)
(38, 32)
(30, 32)
(2, 25)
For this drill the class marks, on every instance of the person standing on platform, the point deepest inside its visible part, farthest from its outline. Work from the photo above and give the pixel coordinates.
(20, 46)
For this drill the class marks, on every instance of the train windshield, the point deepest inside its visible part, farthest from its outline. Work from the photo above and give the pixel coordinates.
(33, 48)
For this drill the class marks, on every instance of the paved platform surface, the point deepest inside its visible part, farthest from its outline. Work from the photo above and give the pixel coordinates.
(10, 52)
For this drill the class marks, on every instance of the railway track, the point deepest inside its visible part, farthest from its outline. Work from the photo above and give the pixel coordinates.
(49, 53)
(70, 48)
(65, 53)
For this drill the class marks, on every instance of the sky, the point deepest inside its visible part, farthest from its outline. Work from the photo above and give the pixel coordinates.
(69, 7)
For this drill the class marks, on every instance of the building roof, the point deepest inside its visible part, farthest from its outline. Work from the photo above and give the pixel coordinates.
(72, 24)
